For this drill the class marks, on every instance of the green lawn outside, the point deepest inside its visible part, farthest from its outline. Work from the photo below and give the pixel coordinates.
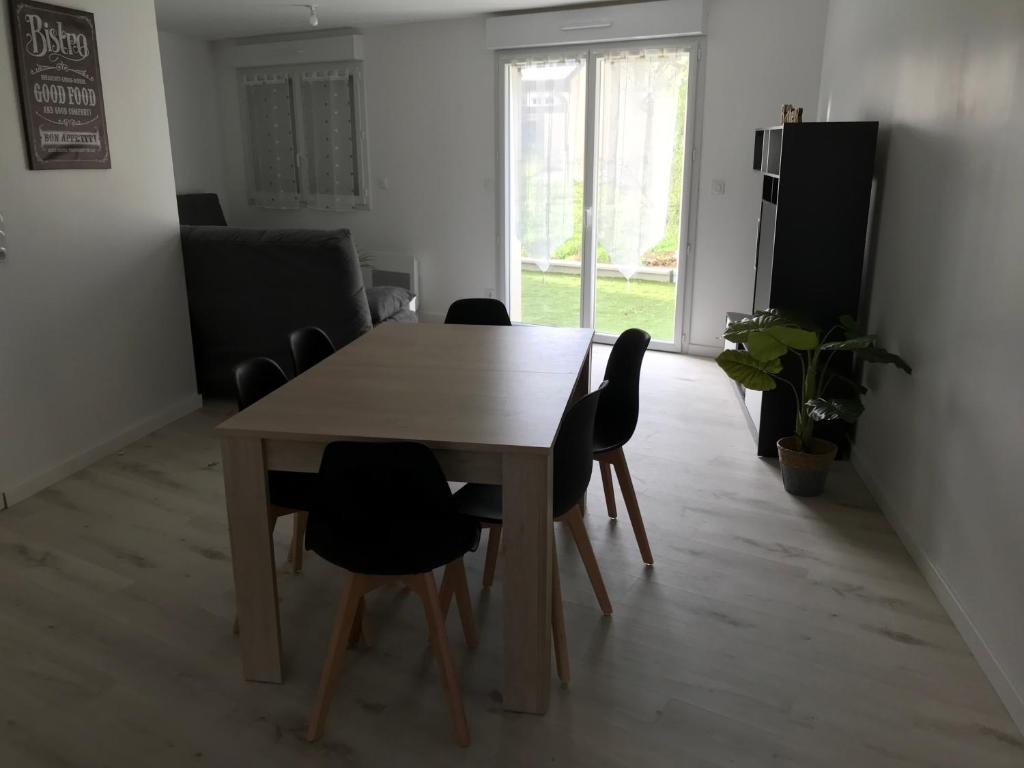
(554, 299)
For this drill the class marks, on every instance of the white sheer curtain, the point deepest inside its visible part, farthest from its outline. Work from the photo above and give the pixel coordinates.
(637, 132)
(546, 143)
(273, 177)
(328, 119)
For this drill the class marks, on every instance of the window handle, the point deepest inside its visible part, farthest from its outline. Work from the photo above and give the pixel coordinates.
(757, 240)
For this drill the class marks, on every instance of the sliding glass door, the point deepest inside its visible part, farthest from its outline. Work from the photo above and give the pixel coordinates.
(546, 131)
(596, 143)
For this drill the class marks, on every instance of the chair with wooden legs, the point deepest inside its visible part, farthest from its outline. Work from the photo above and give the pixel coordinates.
(385, 514)
(615, 423)
(558, 636)
(572, 467)
(477, 312)
(489, 497)
(290, 492)
(309, 346)
(482, 312)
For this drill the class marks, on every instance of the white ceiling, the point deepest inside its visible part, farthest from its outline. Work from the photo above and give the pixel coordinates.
(218, 19)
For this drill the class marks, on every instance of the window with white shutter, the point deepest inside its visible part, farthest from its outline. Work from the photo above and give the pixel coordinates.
(273, 175)
(306, 137)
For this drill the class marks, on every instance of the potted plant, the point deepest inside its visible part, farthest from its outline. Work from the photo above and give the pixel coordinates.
(769, 336)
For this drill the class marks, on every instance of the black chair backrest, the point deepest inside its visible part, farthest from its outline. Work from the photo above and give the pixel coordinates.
(390, 480)
(377, 502)
(255, 379)
(573, 454)
(477, 312)
(309, 346)
(620, 403)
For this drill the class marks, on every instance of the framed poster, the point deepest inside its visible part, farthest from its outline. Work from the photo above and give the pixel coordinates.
(61, 92)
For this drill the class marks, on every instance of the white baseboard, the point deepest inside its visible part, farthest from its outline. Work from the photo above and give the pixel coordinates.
(703, 350)
(133, 432)
(990, 665)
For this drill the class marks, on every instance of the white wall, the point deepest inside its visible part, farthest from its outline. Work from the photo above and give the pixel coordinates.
(944, 449)
(761, 54)
(430, 113)
(193, 113)
(94, 335)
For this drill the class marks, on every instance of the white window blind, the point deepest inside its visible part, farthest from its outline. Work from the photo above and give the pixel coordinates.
(273, 176)
(306, 142)
(331, 138)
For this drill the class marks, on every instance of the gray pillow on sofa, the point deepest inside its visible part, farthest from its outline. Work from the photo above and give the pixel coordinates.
(386, 301)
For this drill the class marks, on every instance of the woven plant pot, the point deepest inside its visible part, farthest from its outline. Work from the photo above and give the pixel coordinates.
(804, 472)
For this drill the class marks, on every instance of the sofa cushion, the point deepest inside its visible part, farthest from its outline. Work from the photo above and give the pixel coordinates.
(403, 316)
(387, 300)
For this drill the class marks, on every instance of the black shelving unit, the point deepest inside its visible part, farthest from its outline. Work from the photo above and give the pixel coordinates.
(809, 256)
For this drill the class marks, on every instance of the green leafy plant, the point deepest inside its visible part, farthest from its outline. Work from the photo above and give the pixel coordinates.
(768, 336)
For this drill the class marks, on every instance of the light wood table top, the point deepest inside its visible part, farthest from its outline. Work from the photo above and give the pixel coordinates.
(461, 387)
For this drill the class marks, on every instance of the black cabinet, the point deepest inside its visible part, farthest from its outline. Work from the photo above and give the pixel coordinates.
(809, 256)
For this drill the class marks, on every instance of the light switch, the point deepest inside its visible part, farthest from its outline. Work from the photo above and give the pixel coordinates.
(717, 187)
(383, 183)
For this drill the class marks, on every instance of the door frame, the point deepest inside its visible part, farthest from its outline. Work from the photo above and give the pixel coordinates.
(694, 45)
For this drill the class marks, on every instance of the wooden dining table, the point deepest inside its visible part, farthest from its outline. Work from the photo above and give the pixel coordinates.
(487, 400)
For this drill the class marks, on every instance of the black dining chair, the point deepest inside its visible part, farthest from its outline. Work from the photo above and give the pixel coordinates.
(481, 312)
(289, 493)
(477, 312)
(309, 346)
(385, 514)
(616, 421)
(572, 467)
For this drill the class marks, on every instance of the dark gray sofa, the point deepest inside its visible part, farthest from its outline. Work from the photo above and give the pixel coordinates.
(249, 288)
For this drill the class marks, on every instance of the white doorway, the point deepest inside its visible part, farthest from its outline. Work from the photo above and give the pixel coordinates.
(596, 177)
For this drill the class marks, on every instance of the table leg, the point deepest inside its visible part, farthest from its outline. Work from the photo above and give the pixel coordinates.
(581, 390)
(526, 539)
(252, 558)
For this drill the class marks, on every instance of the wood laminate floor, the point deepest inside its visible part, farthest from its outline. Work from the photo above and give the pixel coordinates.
(772, 631)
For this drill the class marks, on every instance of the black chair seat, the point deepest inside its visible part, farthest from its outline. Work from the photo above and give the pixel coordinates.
(294, 490)
(412, 546)
(603, 443)
(572, 465)
(480, 502)
(483, 503)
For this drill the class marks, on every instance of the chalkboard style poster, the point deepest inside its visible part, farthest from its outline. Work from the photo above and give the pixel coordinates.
(61, 93)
